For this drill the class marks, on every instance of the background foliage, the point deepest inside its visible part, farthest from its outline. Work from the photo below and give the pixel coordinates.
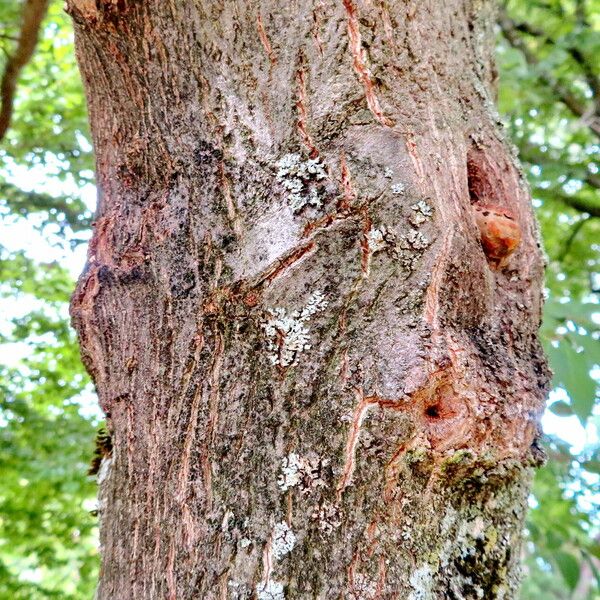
(549, 96)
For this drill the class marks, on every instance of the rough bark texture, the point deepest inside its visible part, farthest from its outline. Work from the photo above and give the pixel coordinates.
(317, 384)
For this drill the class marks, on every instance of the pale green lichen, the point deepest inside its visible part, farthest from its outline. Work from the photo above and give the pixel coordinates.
(458, 457)
(417, 455)
(491, 538)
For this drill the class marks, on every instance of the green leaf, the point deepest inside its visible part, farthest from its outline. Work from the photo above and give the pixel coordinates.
(592, 466)
(569, 568)
(572, 371)
(560, 408)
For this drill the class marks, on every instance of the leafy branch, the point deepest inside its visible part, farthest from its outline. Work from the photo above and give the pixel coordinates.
(64, 211)
(575, 53)
(588, 115)
(530, 153)
(581, 204)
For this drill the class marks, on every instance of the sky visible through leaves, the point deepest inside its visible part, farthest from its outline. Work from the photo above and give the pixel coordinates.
(549, 100)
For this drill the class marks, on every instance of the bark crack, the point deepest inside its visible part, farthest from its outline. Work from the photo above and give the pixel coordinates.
(262, 34)
(360, 64)
(364, 404)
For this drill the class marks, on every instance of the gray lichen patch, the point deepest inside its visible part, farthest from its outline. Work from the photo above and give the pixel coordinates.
(270, 590)
(300, 178)
(404, 229)
(303, 473)
(422, 212)
(415, 240)
(284, 540)
(409, 248)
(376, 239)
(398, 189)
(288, 334)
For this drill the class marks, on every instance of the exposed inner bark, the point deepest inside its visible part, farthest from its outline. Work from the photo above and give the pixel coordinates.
(317, 385)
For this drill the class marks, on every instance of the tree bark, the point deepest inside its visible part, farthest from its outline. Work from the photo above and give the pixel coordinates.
(317, 383)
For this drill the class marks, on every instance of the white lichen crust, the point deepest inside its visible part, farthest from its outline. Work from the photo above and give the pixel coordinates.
(290, 472)
(363, 588)
(376, 239)
(302, 472)
(300, 179)
(284, 540)
(421, 212)
(271, 590)
(421, 582)
(288, 335)
(328, 516)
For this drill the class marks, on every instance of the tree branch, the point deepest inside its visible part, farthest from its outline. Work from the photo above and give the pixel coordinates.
(65, 211)
(579, 109)
(593, 180)
(34, 12)
(592, 79)
(580, 12)
(529, 153)
(578, 203)
(574, 231)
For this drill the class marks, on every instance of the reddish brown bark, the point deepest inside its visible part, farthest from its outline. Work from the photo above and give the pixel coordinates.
(317, 383)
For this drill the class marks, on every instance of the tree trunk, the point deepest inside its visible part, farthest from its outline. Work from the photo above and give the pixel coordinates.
(319, 383)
